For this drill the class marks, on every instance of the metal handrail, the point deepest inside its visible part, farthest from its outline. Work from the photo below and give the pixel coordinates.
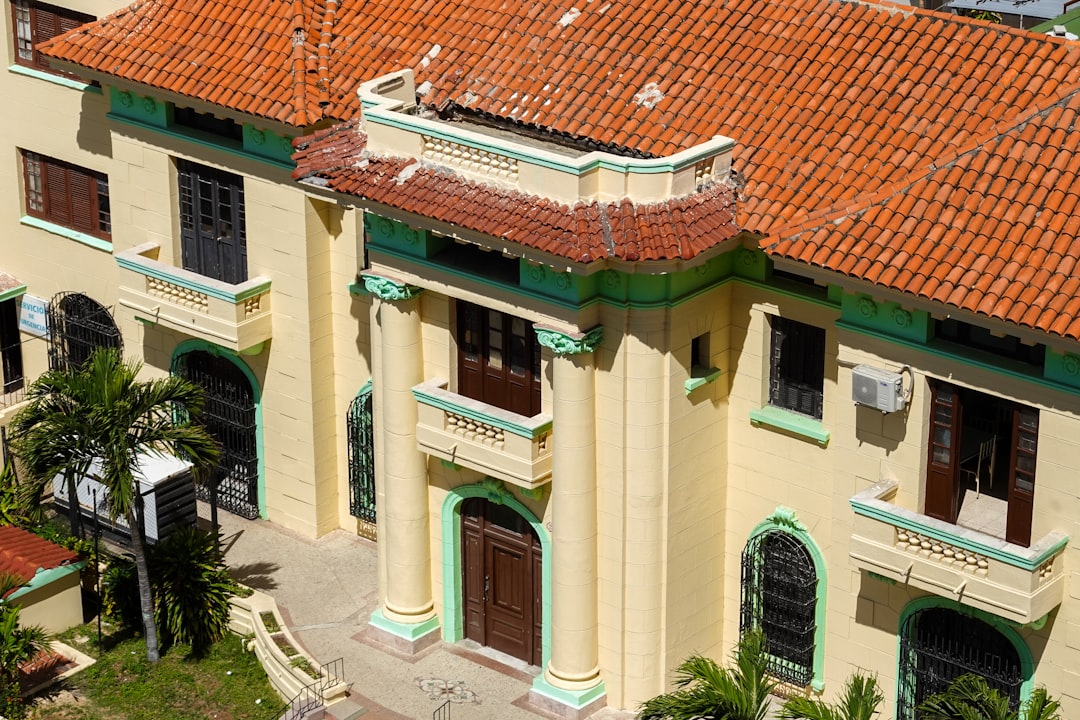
(311, 696)
(442, 712)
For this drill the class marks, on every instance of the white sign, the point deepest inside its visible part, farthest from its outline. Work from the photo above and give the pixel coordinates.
(33, 319)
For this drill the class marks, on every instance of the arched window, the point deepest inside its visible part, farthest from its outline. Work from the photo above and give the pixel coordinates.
(361, 445)
(78, 325)
(939, 644)
(779, 598)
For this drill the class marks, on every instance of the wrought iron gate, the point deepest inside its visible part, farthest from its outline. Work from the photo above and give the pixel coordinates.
(361, 440)
(229, 415)
(938, 645)
(779, 597)
(78, 325)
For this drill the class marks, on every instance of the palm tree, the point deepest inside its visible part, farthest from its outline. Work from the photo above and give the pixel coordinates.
(17, 644)
(968, 697)
(708, 690)
(99, 412)
(859, 701)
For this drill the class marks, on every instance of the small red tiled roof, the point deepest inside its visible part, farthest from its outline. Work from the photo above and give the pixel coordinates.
(587, 231)
(8, 282)
(22, 553)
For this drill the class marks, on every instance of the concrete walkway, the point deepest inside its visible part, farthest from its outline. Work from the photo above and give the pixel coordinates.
(327, 589)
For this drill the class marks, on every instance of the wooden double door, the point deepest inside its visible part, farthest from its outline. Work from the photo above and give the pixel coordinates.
(502, 586)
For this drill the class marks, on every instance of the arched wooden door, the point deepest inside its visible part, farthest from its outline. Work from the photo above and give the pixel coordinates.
(502, 563)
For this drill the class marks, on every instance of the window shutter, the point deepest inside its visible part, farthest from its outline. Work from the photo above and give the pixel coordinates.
(83, 187)
(57, 193)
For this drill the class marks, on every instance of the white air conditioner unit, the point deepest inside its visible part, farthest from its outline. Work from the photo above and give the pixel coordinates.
(876, 388)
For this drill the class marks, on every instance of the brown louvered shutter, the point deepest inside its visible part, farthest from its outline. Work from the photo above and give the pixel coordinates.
(45, 24)
(82, 187)
(57, 192)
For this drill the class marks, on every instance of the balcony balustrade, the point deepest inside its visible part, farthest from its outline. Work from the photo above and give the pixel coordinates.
(473, 434)
(1018, 583)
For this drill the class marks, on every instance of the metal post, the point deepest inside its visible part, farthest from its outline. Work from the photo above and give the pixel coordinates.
(97, 566)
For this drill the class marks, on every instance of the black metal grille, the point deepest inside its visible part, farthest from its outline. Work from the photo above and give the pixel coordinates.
(361, 439)
(78, 325)
(797, 374)
(938, 645)
(779, 597)
(229, 416)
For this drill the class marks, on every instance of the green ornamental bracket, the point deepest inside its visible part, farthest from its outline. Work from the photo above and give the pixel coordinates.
(387, 289)
(569, 343)
(495, 491)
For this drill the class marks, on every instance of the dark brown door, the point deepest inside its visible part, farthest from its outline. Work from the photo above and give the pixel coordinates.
(942, 467)
(498, 359)
(502, 581)
(1025, 438)
(10, 347)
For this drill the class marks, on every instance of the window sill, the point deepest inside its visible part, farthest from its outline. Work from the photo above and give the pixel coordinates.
(94, 242)
(55, 79)
(702, 377)
(793, 423)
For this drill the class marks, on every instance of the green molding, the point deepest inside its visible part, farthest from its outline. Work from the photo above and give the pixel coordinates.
(383, 232)
(260, 449)
(876, 511)
(84, 238)
(409, 631)
(206, 140)
(886, 318)
(785, 520)
(267, 144)
(45, 577)
(708, 376)
(536, 493)
(881, 578)
(1027, 663)
(1063, 368)
(14, 292)
(54, 79)
(945, 351)
(357, 289)
(576, 699)
(791, 422)
(450, 517)
(233, 297)
(568, 287)
(143, 109)
(389, 290)
(752, 264)
(569, 343)
(527, 431)
(450, 465)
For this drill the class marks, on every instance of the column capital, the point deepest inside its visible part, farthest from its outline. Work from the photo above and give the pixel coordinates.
(564, 343)
(385, 288)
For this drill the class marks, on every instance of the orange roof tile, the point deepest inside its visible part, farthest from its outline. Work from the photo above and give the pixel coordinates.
(22, 553)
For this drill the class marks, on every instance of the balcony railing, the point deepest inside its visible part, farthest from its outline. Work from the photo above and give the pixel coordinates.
(233, 316)
(1019, 583)
(476, 435)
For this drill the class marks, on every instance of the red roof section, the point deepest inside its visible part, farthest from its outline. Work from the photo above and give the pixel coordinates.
(877, 141)
(676, 229)
(22, 553)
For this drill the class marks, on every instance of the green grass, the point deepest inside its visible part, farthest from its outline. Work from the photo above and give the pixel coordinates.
(228, 684)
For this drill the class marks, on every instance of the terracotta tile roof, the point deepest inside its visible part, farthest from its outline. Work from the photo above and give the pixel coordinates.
(23, 553)
(8, 282)
(676, 229)
(835, 108)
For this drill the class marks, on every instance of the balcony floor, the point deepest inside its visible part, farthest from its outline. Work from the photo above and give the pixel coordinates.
(984, 513)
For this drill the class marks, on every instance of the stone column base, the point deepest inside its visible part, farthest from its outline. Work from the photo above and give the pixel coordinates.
(405, 638)
(569, 704)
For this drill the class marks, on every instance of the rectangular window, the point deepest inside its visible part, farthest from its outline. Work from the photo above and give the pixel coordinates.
(797, 367)
(11, 370)
(35, 23)
(498, 359)
(212, 237)
(66, 194)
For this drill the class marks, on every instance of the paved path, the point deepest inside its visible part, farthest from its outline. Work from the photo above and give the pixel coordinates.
(327, 589)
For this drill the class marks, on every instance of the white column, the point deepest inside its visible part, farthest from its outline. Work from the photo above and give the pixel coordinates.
(574, 664)
(404, 538)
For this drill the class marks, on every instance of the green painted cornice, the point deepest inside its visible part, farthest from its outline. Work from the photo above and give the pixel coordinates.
(14, 292)
(387, 289)
(569, 343)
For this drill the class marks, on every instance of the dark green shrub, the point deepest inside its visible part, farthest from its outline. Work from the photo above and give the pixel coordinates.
(120, 593)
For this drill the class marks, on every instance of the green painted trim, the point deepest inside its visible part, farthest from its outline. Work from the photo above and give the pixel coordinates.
(365, 389)
(793, 423)
(692, 384)
(141, 109)
(205, 140)
(577, 699)
(409, 631)
(886, 318)
(940, 351)
(389, 290)
(45, 577)
(881, 578)
(536, 493)
(563, 343)
(453, 621)
(603, 160)
(1063, 368)
(875, 512)
(785, 520)
(792, 290)
(14, 292)
(357, 289)
(531, 432)
(54, 79)
(267, 144)
(260, 448)
(1027, 663)
(84, 238)
(752, 264)
(185, 282)
(450, 465)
